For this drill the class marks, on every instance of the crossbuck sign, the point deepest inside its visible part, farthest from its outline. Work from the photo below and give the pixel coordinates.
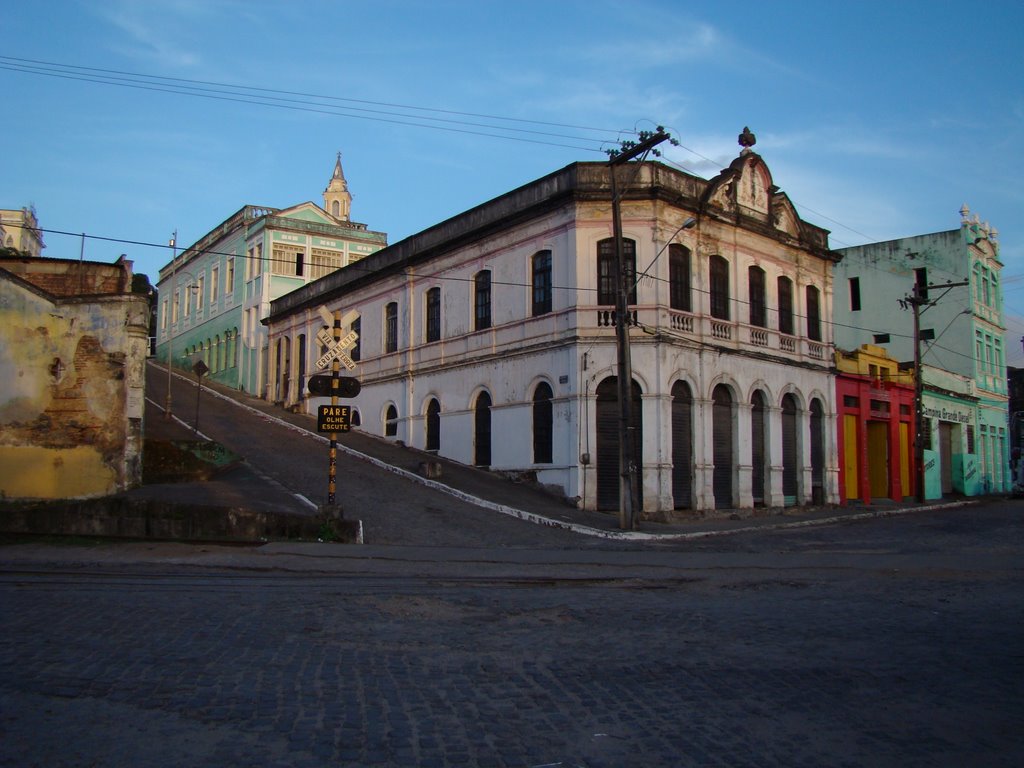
(336, 349)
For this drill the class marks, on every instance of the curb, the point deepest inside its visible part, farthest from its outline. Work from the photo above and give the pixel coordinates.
(579, 528)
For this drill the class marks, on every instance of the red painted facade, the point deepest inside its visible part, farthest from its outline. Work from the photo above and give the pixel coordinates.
(875, 434)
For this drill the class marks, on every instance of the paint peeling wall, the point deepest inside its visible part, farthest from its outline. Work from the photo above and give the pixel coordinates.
(72, 369)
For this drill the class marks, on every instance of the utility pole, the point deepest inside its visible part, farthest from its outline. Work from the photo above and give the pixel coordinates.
(916, 301)
(629, 487)
(170, 320)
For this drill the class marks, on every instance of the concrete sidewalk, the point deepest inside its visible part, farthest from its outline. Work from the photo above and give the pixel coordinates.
(481, 487)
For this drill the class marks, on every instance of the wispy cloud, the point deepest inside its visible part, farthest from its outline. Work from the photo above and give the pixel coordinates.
(167, 34)
(156, 34)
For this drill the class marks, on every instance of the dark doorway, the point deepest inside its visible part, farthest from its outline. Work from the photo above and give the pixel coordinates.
(608, 442)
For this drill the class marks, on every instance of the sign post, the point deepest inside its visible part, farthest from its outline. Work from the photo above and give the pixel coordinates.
(334, 418)
(201, 369)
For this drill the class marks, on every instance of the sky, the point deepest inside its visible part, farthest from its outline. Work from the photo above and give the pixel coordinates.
(126, 121)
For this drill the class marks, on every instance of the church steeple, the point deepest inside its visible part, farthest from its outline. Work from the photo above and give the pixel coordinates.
(337, 199)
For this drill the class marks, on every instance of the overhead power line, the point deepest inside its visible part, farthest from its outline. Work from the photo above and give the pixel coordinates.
(387, 112)
(453, 121)
(359, 266)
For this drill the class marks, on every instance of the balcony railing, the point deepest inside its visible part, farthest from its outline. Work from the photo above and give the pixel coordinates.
(736, 335)
(606, 318)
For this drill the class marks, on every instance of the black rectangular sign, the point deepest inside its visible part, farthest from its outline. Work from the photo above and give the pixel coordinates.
(320, 386)
(334, 418)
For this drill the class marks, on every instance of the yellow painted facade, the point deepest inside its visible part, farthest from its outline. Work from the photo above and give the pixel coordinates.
(31, 472)
(872, 361)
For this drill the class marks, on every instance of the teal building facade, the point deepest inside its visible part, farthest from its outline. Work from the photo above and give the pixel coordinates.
(963, 334)
(215, 293)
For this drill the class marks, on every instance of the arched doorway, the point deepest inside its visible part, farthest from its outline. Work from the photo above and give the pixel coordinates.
(790, 451)
(722, 446)
(758, 454)
(482, 430)
(817, 452)
(682, 446)
(608, 441)
(433, 442)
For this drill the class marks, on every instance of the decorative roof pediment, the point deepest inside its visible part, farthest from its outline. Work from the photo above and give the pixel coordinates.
(746, 188)
(306, 212)
(784, 215)
(746, 185)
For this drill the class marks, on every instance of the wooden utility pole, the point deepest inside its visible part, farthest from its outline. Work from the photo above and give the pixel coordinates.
(916, 301)
(629, 482)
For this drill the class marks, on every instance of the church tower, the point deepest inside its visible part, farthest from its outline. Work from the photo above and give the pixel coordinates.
(337, 199)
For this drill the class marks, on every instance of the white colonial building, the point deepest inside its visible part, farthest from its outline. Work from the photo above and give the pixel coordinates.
(489, 338)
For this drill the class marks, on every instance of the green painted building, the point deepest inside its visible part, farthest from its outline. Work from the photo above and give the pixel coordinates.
(215, 293)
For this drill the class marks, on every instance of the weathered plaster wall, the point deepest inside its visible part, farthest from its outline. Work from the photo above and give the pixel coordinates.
(71, 405)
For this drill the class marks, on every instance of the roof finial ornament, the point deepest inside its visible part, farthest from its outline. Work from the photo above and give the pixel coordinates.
(747, 139)
(338, 173)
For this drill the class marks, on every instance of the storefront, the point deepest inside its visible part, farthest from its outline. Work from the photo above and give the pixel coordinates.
(950, 452)
(875, 404)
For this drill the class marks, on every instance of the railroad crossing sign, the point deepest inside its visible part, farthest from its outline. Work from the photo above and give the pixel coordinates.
(336, 349)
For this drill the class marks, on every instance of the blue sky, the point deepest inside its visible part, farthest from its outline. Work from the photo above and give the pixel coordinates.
(878, 119)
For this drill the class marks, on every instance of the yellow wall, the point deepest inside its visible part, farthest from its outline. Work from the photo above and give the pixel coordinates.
(54, 473)
(878, 458)
(905, 458)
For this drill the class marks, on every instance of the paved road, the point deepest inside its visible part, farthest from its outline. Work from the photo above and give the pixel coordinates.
(393, 510)
(896, 642)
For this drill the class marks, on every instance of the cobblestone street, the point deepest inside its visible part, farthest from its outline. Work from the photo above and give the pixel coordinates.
(865, 655)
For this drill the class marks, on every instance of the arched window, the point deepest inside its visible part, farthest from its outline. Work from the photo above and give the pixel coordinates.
(541, 268)
(482, 430)
(607, 442)
(723, 450)
(790, 451)
(433, 442)
(482, 300)
(543, 424)
(719, 269)
(817, 452)
(679, 277)
(391, 422)
(682, 445)
(356, 351)
(813, 313)
(391, 327)
(433, 326)
(785, 287)
(758, 447)
(356, 420)
(607, 275)
(755, 285)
